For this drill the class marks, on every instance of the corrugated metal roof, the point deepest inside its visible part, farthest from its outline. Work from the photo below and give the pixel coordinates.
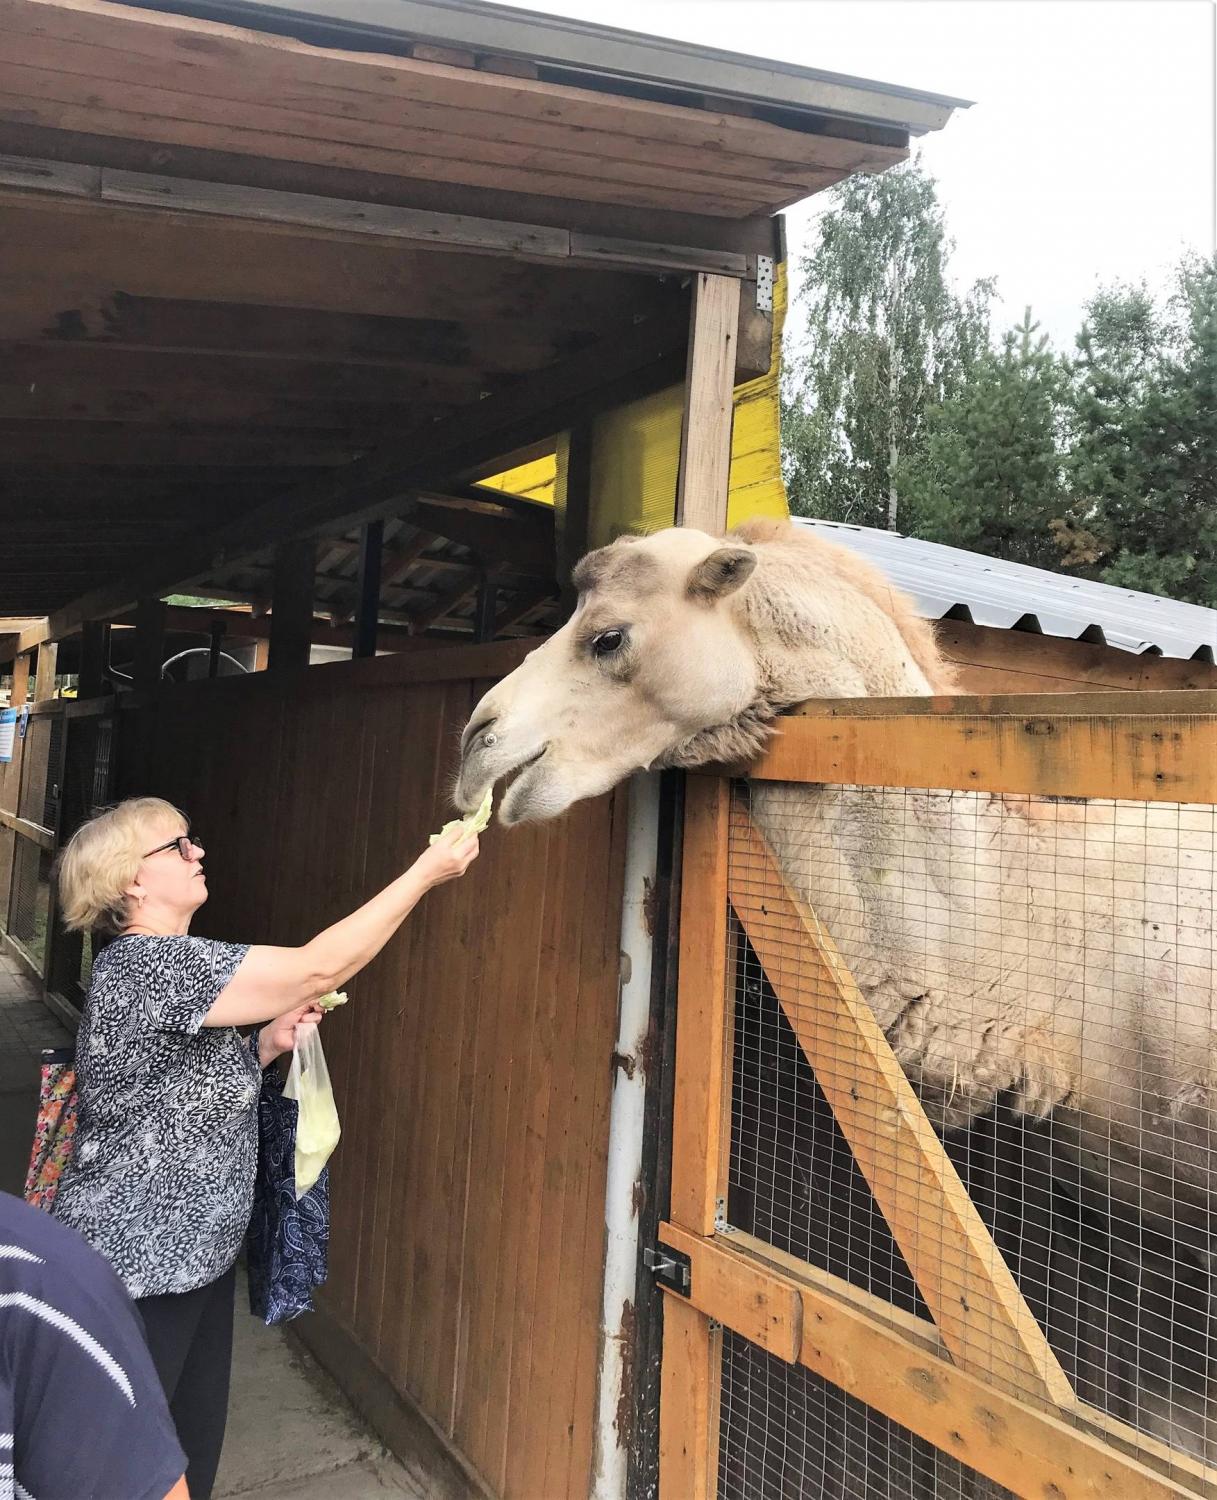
(967, 585)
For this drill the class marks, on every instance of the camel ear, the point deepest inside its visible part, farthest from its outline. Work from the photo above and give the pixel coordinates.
(721, 573)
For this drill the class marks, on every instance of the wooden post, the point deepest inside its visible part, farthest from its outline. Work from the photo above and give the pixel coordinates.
(149, 644)
(692, 1351)
(291, 618)
(261, 655)
(94, 658)
(367, 607)
(21, 679)
(573, 499)
(705, 439)
(213, 651)
(487, 607)
(44, 682)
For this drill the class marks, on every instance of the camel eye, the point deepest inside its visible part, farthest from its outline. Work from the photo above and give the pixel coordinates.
(608, 642)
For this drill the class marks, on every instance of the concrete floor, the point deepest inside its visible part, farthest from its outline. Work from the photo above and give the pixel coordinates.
(291, 1433)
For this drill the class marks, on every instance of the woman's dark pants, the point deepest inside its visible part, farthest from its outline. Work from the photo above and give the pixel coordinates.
(190, 1337)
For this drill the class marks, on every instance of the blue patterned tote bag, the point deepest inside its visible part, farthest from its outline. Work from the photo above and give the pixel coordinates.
(288, 1236)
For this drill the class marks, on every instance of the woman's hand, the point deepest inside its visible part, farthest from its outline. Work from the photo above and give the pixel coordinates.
(279, 1036)
(446, 860)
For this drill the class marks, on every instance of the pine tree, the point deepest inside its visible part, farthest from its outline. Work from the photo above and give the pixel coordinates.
(1143, 461)
(886, 339)
(988, 475)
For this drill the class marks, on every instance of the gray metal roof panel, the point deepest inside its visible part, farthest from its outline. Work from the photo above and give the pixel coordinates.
(944, 579)
(596, 49)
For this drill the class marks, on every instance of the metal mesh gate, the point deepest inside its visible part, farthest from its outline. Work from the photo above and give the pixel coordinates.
(787, 1433)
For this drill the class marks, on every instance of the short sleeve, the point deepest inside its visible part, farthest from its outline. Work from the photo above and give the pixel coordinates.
(80, 1399)
(187, 975)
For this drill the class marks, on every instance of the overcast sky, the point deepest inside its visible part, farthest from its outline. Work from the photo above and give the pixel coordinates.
(1087, 157)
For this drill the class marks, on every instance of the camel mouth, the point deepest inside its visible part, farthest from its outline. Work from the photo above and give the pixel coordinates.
(469, 795)
(524, 800)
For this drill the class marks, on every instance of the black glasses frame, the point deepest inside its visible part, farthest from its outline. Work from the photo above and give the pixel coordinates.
(182, 844)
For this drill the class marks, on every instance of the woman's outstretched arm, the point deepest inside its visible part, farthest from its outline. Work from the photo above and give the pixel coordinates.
(270, 981)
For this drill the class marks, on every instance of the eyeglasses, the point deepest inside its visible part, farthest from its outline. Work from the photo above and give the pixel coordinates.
(183, 844)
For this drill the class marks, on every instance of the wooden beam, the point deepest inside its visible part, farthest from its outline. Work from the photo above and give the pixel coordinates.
(485, 616)
(748, 236)
(690, 1382)
(1012, 1442)
(960, 1273)
(989, 660)
(35, 832)
(524, 543)
(642, 359)
(44, 682)
(465, 587)
(263, 208)
(367, 587)
(94, 658)
(1046, 752)
(21, 678)
(149, 644)
(291, 620)
(573, 501)
(215, 644)
(702, 1103)
(523, 605)
(705, 437)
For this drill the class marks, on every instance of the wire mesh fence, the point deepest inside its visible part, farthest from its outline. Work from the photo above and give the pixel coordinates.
(787, 1434)
(1043, 972)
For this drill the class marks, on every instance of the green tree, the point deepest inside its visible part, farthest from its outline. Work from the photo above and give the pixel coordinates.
(1142, 467)
(987, 475)
(887, 338)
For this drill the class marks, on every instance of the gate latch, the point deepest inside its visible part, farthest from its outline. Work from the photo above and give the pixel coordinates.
(670, 1268)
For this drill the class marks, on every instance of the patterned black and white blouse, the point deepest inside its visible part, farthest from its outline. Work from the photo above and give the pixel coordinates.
(162, 1175)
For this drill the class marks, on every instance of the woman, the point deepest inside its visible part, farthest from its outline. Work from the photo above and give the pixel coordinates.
(161, 1180)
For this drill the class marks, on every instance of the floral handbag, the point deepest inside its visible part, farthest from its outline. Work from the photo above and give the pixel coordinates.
(55, 1129)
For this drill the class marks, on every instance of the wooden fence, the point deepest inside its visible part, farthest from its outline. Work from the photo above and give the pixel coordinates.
(472, 1067)
(963, 1365)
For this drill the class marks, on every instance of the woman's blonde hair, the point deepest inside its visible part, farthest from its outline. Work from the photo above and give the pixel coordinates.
(100, 861)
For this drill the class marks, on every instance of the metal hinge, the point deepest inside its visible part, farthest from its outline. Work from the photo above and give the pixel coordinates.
(670, 1268)
(764, 283)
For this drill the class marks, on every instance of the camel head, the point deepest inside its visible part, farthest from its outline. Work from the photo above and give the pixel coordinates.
(682, 649)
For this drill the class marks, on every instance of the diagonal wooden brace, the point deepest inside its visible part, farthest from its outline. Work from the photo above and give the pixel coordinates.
(967, 1286)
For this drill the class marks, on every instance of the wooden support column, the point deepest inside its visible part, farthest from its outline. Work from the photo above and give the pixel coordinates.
(705, 439)
(21, 679)
(291, 619)
(573, 497)
(487, 607)
(44, 682)
(94, 658)
(692, 1350)
(149, 643)
(261, 655)
(367, 606)
(213, 651)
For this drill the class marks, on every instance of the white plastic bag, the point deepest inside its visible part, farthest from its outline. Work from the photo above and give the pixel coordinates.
(317, 1127)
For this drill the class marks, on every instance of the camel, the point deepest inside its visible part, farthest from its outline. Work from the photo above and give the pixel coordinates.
(1057, 955)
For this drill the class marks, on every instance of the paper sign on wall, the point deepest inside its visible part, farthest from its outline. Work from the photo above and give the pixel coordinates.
(8, 732)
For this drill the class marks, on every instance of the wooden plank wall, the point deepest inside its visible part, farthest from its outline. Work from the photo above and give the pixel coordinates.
(988, 660)
(472, 1065)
